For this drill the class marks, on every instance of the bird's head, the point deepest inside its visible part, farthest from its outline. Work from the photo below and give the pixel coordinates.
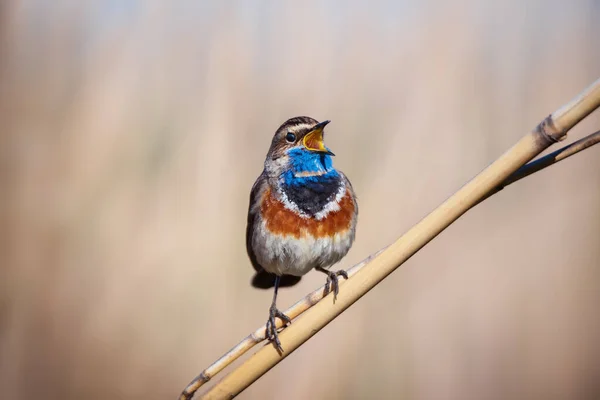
(298, 148)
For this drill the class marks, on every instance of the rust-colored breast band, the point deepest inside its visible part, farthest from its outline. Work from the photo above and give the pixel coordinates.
(279, 220)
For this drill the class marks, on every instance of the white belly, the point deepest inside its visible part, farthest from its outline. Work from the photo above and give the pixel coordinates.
(288, 255)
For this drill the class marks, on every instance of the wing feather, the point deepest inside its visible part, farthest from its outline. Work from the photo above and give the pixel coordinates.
(262, 279)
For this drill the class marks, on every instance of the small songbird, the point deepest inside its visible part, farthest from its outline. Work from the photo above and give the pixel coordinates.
(302, 214)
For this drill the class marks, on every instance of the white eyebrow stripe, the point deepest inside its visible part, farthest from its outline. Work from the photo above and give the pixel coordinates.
(299, 127)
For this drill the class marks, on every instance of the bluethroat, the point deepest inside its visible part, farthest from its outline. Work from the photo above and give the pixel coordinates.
(302, 214)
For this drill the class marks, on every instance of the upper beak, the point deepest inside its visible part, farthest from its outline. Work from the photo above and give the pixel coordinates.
(313, 140)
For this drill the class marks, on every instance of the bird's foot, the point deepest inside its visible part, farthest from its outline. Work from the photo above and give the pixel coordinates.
(271, 331)
(333, 281)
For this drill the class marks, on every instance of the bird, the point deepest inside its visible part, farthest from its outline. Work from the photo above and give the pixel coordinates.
(302, 214)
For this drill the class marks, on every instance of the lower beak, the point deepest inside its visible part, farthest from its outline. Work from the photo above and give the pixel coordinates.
(313, 141)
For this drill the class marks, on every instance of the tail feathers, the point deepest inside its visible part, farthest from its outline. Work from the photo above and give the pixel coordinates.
(265, 280)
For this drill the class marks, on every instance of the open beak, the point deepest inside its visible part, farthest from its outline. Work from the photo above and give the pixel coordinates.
(313, 141)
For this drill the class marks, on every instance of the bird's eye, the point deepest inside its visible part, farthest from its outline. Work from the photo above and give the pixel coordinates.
(290, 137)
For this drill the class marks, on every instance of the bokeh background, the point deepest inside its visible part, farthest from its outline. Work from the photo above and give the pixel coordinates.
(131, 133)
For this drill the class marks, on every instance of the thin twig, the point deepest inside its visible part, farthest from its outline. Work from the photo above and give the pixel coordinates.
(548, 160)
(259, 335)
(552, 129)
(552, 158)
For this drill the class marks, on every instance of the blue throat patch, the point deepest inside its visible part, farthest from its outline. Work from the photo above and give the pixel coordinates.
(310, 193)
(304, 161)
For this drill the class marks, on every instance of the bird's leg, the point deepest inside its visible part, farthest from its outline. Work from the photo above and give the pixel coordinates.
(271, 331)
(332, 280)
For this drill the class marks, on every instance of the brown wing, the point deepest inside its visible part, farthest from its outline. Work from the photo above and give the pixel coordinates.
(352, 192)
(262, 279)
(254, 208)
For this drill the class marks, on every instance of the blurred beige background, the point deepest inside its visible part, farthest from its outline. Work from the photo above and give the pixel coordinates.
(132, 132)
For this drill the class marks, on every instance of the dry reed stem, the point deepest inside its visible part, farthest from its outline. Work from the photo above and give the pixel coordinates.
(311, 299)
(549, 131)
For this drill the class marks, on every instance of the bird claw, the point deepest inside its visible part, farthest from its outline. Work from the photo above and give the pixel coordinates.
(333, 281)
(271, 328)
